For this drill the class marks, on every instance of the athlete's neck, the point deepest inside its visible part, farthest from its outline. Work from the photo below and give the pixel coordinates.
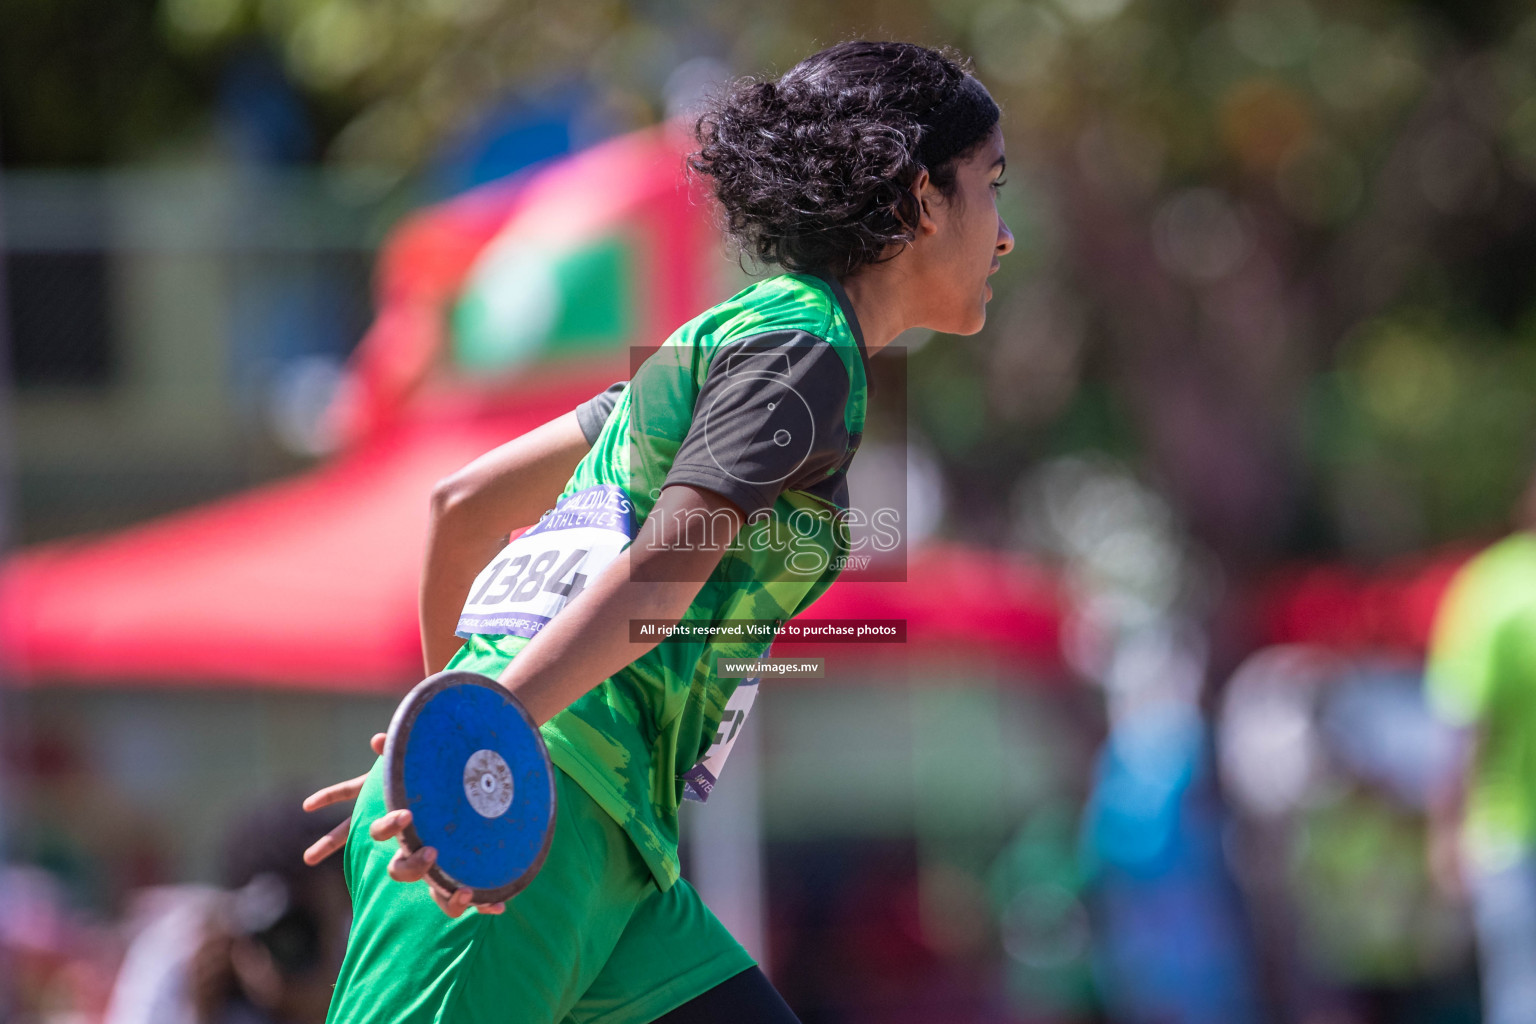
(882, 301)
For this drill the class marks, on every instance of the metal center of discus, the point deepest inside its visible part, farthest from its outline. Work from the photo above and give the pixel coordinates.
(488, 783)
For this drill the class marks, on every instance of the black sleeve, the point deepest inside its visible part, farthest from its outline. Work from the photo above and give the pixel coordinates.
(747, 998)
(769, 418)
(593, 413)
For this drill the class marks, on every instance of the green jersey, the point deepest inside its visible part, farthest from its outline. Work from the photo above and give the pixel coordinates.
(760, 399)
(1482, 674)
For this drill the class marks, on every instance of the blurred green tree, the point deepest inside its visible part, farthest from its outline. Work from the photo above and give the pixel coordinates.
(1217, 204)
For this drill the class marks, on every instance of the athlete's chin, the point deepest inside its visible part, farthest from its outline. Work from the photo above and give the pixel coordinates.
(978, 317)
(964, 321)
(974, 322)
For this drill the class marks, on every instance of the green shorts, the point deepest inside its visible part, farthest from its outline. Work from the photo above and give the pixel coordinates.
(591, 940)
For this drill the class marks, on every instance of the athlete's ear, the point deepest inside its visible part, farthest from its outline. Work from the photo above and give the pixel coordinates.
(925, 192)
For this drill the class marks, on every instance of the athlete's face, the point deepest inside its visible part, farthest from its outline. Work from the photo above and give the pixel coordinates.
(962, 239)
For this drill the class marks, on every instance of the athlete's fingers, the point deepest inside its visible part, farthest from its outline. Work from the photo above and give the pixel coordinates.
(389, 825)
(407, 866)
(439, 896)
(442, 899)
(451, 903)
(327, 844)
(458, 902)
(335, 794)
(463, 899)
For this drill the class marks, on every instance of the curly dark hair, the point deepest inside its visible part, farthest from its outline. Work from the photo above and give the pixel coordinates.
(814, 171)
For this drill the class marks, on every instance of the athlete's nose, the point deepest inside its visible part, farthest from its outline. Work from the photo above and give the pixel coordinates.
(1004, 238)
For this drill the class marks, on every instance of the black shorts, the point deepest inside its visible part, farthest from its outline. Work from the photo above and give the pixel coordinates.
(748, 998)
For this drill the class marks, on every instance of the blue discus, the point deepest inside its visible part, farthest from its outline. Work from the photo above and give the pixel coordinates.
(468, 762)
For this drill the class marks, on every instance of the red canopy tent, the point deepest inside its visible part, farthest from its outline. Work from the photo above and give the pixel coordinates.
(307, 583)
(311, 583)
(1351, 609)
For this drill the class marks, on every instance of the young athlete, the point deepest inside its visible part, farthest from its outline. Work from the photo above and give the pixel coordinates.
(711, 485)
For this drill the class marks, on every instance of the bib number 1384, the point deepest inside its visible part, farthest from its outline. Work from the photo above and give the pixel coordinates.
(543, 570)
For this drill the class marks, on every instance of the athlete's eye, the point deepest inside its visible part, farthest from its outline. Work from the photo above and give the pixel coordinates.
(999, 183)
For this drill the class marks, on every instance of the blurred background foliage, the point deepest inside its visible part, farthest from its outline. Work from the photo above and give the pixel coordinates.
(1280, 253)
(1276, 258)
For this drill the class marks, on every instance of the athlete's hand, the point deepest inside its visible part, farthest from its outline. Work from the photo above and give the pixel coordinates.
(406, 865)
(336, 838)
(409, 865)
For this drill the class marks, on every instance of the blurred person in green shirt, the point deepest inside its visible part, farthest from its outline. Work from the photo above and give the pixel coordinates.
(1481, 678)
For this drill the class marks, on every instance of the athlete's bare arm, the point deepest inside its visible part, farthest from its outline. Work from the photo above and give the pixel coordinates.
(473, 511)
(656, 577)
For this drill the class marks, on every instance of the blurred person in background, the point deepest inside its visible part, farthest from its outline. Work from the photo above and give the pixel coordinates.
(869, 173)
(1481, 678)
(263, 950)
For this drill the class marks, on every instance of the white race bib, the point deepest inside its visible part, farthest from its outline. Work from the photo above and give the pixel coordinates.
(543, 570)
(699, 780)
